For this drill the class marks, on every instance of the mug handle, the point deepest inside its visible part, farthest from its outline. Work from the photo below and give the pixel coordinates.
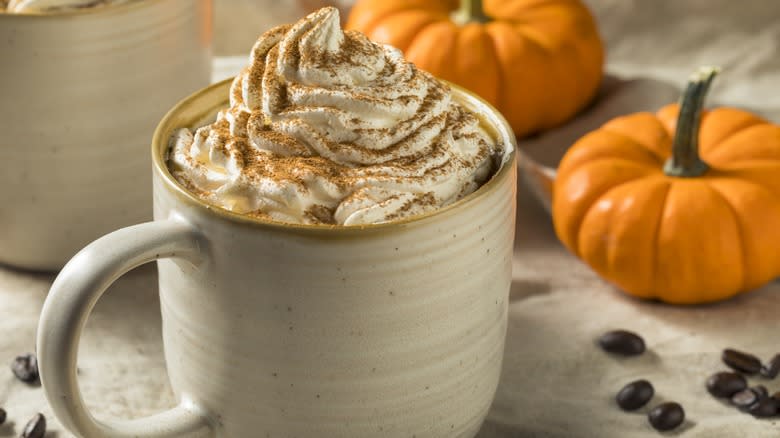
(70, 301)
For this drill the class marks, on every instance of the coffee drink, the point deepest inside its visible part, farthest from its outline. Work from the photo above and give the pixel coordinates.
(328, 127)
(53, 6)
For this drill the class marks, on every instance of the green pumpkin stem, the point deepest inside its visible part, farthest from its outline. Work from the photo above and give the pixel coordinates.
(471, 11)
(685, 161)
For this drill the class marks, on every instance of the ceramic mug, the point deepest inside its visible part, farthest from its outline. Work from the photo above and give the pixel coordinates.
(270, 329)
(82, 92)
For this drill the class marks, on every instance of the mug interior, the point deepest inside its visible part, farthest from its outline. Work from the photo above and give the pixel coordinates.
(202, 107)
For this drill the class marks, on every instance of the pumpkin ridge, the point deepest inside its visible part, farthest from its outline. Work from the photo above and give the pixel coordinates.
(528, 122)
(430, 19)
(523, 32)
(430, 63)
(712, 146)
(548, 119)
(587, 96)
(747, 166)
(594, 202)
(740, 235)
(651, 170)
(758, 274)
(657, 237)
(376, 18)
(493, 57)
(596, 199)
(751, 127)
(499, 103)
(504, 12)
(641, 145)
(743, 164)
(647, 187)
(538, 24)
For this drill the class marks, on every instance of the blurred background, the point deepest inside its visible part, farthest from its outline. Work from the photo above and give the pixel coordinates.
(644, 38)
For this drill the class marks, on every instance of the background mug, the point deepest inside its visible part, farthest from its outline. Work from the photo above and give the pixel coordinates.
(272, 329)
(82, 91)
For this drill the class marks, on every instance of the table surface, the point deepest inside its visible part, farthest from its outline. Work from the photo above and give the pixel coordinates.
(555, 382)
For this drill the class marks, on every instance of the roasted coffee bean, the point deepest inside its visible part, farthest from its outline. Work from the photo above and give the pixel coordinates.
(25, 368)
(741, 361)
(2, 415)
(745, 399)
(772, 368)
(35, 428)
(635, 395)
(622, 342)
(666, 416)
(761, 390)
(725, 384)
(765, 407)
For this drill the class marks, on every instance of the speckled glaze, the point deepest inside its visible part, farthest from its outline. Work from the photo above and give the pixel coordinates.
(275, 330)
(82, 92)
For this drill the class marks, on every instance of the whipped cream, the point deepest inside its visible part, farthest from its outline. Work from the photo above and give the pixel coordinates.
(326, 126)
(54, 5)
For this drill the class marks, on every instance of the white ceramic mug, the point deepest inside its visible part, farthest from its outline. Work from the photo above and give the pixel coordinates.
(279, 330)
(81, 93)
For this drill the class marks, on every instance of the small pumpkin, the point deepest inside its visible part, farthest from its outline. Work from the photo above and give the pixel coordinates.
(681, 206)
(538, 61)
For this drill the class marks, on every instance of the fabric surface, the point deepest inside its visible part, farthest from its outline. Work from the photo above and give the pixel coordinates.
(555, 383)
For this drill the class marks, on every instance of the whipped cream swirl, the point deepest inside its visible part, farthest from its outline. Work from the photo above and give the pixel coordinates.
(325, 126)
(54, 5)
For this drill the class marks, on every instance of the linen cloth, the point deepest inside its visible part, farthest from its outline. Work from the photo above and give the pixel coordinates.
(555, 382)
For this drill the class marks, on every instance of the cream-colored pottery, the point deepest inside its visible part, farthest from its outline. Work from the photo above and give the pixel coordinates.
(80, 95)
(275, 330)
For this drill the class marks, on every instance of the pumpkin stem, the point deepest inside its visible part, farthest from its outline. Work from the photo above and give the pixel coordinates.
(685, 161)
(470, 11)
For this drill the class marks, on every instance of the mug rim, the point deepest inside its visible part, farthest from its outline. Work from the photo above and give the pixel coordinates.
(160, 146)
(77, 12)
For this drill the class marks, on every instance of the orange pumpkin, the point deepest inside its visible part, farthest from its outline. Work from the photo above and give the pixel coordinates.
(538, 61)
(681, 206)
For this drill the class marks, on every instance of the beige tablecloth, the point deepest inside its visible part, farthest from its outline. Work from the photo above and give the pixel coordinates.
(555, 382)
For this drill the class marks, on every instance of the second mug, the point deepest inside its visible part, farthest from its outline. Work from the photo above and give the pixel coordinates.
(82, 91)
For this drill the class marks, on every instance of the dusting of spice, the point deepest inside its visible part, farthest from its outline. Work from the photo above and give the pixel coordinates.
(328, 127)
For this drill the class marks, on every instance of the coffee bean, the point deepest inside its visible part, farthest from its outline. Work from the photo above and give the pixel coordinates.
(761, 391)
(744, 399)
(741, 361)
(35, 428)
(635, 395)
(765, 407)
(2, 415)
(725, 384)
(622, 342)
(666, 416)
(25, 368)
(772, 368)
